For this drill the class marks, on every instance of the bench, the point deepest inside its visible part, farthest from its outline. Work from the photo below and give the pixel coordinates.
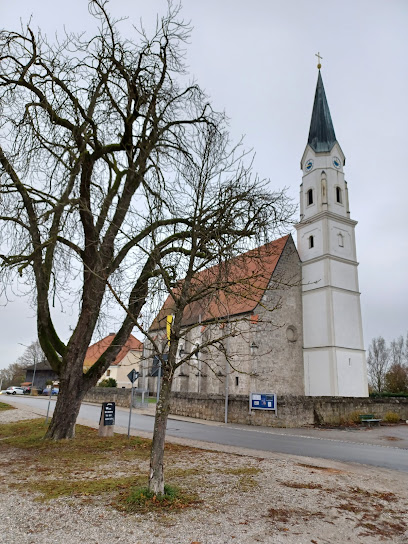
(369, 419)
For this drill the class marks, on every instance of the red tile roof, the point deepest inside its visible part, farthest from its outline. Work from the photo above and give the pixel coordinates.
(235, 287)
(95, 351)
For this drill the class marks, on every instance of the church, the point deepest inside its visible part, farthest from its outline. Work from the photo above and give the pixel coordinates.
(293, 327)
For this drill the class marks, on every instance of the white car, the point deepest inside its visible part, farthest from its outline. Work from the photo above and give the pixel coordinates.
(14, 390)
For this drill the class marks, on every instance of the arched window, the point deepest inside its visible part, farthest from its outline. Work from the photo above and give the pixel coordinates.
(341, 239)
(311, 242)
(338, 195)
(309, 197)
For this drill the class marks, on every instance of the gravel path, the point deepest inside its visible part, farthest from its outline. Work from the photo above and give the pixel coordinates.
(245, 499)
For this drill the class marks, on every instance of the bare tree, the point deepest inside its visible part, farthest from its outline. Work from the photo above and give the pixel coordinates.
(378, 361)
(15, 373)
(91, 131)
(33, 355)
(229, 212)
(397, 351)
(396, 379)
(100, 140)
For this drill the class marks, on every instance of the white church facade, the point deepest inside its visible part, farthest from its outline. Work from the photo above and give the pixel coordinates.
(334, 355)
(312, 341)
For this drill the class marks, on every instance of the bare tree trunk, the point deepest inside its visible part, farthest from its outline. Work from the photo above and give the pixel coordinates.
(65, 414)
(156, 479)
(73, 388)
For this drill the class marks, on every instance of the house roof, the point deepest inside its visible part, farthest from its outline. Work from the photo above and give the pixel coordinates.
(231, 288)
(95, 351)
(44, 365)
(321, 135)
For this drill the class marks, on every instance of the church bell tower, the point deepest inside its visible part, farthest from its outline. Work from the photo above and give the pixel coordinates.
(333, 348)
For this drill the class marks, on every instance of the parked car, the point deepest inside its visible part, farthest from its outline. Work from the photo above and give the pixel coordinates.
(13, 390)
(46, 391)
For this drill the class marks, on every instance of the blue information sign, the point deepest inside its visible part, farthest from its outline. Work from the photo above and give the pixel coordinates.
(262, 401)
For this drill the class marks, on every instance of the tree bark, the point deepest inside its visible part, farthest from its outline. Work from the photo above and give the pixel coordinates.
(65, 414)
(156, 479)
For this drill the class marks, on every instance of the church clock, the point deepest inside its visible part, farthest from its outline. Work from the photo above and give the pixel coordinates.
(336, 162)
(309, 165)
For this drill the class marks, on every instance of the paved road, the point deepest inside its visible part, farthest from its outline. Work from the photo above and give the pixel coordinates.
(290, 441)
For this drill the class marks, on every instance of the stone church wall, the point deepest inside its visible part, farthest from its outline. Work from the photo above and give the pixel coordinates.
(265, 350)
(278, 334)
(293, 411)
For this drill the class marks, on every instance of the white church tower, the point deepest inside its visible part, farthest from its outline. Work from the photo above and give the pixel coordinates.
(334, 355)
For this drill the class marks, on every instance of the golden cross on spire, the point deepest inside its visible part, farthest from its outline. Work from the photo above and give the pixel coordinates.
(319, 57)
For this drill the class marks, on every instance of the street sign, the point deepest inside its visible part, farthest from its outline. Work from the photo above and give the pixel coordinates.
(133, 375)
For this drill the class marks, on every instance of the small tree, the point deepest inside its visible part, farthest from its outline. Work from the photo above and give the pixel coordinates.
(229, 211)
(378, 363)
(396, 379)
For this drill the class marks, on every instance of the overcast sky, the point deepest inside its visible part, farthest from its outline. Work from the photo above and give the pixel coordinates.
(256, 60)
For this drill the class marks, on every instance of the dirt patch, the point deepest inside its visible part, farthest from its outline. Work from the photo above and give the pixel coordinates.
(75, 489)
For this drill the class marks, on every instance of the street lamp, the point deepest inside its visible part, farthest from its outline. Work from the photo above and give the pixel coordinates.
(35, 368)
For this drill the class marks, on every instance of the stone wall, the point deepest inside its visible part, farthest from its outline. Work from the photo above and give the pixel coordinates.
(293, 411)
(98, 395)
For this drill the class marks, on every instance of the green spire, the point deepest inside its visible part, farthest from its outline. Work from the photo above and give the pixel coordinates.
(321, 135)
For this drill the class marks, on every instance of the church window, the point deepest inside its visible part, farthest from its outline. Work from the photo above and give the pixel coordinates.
(311, 242)
(108, 372)
(338, 195)
(236, 381)
(309, 197)
(341, 239)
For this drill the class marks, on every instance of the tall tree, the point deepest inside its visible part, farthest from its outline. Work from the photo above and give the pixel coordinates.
(94, 133)
(397, 354)
(90, 129)
(378, 361)
(406, 350)
(33, 355)
(15, 373)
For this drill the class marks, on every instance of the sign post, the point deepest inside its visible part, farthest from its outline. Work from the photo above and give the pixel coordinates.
(49, 400)
(107, 419)
(133, 376)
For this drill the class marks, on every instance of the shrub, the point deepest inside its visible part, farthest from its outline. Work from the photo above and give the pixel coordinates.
(142, 499)
(108, 382)
(350, 419)
(391, 417)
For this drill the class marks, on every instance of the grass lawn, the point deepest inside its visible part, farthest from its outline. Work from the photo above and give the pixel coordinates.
(227, 494)
(84, 466)
(4, 406)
